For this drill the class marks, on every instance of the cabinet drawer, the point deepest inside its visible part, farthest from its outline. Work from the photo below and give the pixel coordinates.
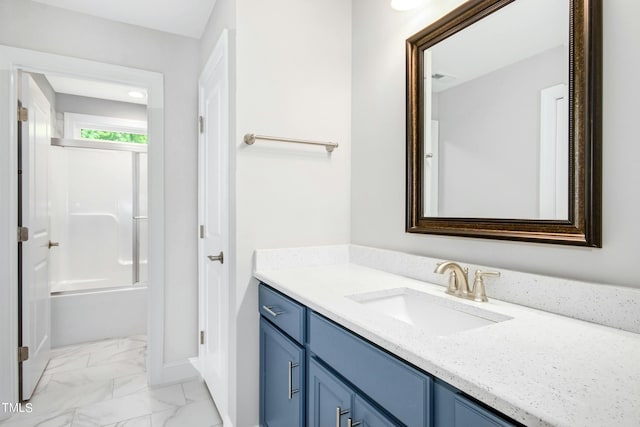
(402, 390)
(285, 313)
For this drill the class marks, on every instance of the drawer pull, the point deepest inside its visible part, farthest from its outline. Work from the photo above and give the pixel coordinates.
(350, 423)
(339, 413)
(292, 391)
(272, 310)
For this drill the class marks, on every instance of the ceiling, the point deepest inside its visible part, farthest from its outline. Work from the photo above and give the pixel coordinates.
(518, 31)
(95, 89)
(184, 17)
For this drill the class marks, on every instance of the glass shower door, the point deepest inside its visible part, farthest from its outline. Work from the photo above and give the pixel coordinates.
(94, 200)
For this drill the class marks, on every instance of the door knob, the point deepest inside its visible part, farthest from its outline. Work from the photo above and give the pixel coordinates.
(217, 257)
(52, 244)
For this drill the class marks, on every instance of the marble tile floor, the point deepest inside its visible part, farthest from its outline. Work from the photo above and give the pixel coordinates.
(104, 384)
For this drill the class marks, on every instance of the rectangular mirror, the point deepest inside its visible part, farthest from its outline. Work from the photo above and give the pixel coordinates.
(504, 122)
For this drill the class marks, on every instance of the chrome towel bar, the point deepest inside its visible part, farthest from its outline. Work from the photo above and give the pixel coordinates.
(250, 138)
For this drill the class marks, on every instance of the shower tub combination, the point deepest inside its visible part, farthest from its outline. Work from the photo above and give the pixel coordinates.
(98, 207)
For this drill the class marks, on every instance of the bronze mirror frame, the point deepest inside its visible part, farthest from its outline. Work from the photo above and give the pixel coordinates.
(583, 228)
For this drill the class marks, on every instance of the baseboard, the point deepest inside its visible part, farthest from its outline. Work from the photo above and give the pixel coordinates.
(178, 371)
(226, 422)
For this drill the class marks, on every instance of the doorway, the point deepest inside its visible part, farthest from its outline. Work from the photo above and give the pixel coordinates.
(12, 61)
(83, 187)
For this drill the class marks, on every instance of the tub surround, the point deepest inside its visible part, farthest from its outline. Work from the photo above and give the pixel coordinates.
(91, 316)
(539, 368)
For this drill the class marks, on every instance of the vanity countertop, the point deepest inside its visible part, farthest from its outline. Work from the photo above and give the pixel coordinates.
(538, 368)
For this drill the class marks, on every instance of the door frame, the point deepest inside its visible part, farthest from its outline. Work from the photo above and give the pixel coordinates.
(11, 60)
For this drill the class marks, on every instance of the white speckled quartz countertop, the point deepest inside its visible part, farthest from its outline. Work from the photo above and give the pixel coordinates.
(538, 368)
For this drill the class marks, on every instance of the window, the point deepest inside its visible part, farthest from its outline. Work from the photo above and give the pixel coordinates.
(108, 129)
(106, 135)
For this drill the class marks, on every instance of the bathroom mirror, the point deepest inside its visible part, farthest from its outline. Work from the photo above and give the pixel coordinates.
(504, 122)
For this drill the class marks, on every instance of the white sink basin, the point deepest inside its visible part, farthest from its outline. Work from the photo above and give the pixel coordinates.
(433, 315)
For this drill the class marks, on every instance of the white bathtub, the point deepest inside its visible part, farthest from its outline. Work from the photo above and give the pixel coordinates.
(91, 316)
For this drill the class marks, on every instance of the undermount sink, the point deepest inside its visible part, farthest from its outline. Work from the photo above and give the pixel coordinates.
(437, 316)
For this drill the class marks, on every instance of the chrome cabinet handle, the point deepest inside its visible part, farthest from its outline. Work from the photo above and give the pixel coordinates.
(217, 257)
(53, 244)
(350, 423)
(271, 310)
(339, 413)
(292, 391)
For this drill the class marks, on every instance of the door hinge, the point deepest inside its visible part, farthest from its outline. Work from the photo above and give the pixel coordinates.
(201, 337)
(23, 234)
(201, 124)
(23, 114)
(23, 354)
(202, 231)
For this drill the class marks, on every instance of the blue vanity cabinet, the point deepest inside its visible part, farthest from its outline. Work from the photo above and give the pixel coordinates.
(282, 361)
(331, 402)
(316, 373)
(400, 389)
(328, 399)
(282, 379)
(454, 409)
(365, 415)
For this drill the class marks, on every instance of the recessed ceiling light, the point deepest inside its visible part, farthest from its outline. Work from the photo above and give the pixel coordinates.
(403, 5)
(136, 94)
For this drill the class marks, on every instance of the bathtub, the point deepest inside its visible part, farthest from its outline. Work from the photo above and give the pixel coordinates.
(78, 317)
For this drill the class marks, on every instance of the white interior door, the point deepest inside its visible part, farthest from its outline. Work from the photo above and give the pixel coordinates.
(431, 169)
(36, 295)
(213, 201)
(430, 148)
(554, 153)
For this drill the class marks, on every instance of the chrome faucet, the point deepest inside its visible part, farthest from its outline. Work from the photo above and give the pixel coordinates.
(459, 281)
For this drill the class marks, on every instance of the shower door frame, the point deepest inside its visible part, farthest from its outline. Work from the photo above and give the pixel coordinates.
(11, 61)
(73, 123)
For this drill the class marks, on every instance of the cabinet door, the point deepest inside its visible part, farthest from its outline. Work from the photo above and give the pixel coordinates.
(468, 413)
(330, 400)
(452, 409)
(365, 415)
(281, 379)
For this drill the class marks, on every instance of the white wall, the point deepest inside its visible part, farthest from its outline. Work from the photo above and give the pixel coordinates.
(293, 80)
(35, 26)
(378, 152)
(498, 140)
(223, 16)
(100, 107)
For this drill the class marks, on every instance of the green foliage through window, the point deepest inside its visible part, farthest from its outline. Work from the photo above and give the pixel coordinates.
(105, 135)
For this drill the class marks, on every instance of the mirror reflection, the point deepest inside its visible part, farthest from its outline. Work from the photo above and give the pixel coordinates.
(496, 116)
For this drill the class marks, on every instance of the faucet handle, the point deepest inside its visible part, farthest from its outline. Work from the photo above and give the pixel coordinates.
(478, 292)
